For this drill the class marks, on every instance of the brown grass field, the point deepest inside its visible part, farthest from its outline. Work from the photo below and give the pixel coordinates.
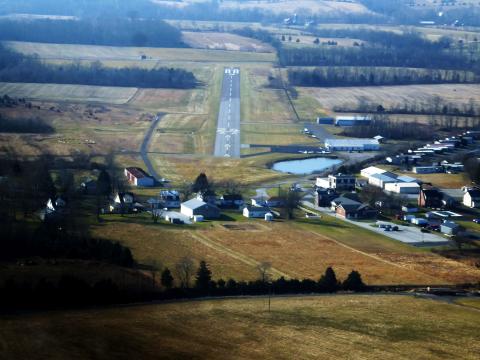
(224, 41)
(291, 6)
(392, 95)
(69, 93)
(157, 55)
(323, 327)
(297, 249)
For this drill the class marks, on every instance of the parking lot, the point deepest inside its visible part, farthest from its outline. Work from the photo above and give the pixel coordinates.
(411, 235)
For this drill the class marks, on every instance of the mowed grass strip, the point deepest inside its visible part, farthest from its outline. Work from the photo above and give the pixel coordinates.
(75, 93)
(324, 327)
(95, 52)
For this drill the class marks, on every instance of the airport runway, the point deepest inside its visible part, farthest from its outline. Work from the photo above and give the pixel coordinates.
(227, 141)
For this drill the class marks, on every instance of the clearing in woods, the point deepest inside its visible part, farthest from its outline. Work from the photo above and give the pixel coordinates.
(330, 327)
(161, 55)
(224, 41)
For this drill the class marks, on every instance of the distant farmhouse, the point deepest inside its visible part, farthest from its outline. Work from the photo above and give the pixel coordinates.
(138, 177)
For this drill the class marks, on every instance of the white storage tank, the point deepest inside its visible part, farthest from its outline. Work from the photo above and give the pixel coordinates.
(268, 217)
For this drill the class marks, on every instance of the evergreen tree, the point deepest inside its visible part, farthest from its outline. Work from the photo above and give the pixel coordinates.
(328, 282)
(167, 278)
(201, 183)
(204, 277)
(354, 282)
(104, 183)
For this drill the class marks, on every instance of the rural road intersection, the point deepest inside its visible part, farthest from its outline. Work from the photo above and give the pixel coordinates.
(227, 141)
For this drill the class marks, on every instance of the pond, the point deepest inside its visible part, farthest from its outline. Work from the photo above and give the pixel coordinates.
(305, 166)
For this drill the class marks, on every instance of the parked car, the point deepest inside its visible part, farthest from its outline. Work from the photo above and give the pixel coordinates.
(476, 221)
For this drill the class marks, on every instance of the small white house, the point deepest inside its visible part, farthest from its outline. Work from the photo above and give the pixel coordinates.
(55, 204)
(471, 198)
(258, 212)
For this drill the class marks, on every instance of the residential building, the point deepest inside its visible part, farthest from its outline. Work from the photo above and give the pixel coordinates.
(352, 145)
(232, 200)
(340, 182)
(324, 196)
(138, 177)
(255, 211)
(54, 205)
(170, 198)
(258, 201)
(403, 188)
(122, 202)
(351, 209)
(207, 196)
(471, 198)
(352, 120)
(89, 186)
(195, 207)
(430, 198)
(275, 201)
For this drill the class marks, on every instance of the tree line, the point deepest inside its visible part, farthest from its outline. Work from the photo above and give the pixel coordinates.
(105, 31)
(15, 67)
(434, 106)
(333, 76)
(374, 57)
(72, 291)
(390, 129)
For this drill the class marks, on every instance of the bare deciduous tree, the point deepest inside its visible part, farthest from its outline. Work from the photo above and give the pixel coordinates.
(185, 269)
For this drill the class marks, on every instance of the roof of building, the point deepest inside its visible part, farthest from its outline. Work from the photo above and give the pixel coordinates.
(345, 201)
(137, 172)
(406, 185)
(378, 137)
(407, 179)
(350, 142)
(194, 204)
(232, 197)
(386, 176)
(474, 193)
(258, 208)
(450, 225)
(169, 193)
(354, 118)
(432, 193)
(372, 170)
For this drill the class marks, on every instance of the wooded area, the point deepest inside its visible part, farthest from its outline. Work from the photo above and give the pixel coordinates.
(15, 67)
(373, 76)
(113, 32)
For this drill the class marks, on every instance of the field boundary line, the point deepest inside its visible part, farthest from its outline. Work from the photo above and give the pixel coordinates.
(234, 254)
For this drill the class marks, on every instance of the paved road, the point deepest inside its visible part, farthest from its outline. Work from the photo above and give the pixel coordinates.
(145, 145)
(227, 142)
